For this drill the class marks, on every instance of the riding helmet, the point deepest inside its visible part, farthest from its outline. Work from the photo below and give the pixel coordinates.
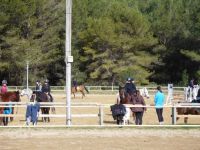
(129, 79)
(46, 81)
(4, 82)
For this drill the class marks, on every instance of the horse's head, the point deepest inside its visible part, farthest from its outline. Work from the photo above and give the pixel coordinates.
(16, 96)
(121, 91)
(144, 92)
(124, 98)
(27, 92)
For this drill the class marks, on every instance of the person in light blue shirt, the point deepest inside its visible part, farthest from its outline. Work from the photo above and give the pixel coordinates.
(159, 102)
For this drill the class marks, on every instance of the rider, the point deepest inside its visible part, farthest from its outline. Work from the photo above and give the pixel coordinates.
(191, 83)
(38, 86)
(47, 89)
(130, 86)
(75, 84)
(4, 87)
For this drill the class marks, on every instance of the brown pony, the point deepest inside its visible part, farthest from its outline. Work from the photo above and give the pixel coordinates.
(6, 97)
(80, 88)
(187, 111)
(125, 99)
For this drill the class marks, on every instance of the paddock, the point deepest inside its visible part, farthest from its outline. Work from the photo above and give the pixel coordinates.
(94, 110)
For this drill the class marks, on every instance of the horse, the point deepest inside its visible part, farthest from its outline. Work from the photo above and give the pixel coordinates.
(6, 97)
(28, 92)
(123, 98)
(144, 92)
(188, 111)
(126, 99)
(42, 97)
(80, 88)
(39, 97)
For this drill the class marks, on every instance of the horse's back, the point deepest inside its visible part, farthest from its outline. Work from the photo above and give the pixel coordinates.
(10, 96)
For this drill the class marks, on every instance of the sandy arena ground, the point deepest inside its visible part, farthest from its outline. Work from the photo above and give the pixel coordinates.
(90, 138)
(99, 139)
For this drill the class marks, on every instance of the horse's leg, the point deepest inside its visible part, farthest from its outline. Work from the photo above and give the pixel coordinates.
(83, 94)
(48, 109)
(1, 121)
(12, 118)
(43, 118)
(177, 118)
(45, 112)
(73, 94)
(1, 118)
(133, 116)
(185, 120)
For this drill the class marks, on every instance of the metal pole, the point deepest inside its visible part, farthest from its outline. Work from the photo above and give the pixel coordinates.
(68, 60)
(27, 66)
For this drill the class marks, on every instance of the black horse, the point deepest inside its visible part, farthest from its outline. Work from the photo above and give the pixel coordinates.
(42, 97)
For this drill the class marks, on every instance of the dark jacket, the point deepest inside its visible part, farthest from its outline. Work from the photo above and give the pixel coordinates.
(130, 88)
(46, 88)
(118, 110)
(138, 100)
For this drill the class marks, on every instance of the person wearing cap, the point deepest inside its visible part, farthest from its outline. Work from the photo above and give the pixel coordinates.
(129, 86)
(47, 89)
(159, 102)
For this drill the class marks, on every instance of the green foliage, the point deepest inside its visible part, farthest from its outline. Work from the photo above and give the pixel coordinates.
(150, 40)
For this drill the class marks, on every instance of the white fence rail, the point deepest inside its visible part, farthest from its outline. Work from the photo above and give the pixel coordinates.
(100, 108)
(102, 88)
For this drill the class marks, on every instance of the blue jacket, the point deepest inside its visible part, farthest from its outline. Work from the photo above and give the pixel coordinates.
(159, 99)
(32, 110)
(8, 110)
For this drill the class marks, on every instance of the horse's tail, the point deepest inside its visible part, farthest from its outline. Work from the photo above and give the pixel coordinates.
(86, 89)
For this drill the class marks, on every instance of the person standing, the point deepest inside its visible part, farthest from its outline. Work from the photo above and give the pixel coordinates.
(138, 100)
(129, 86)
(159, 102)
(4, 87)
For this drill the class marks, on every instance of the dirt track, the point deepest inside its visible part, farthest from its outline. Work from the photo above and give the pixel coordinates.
(99, 139)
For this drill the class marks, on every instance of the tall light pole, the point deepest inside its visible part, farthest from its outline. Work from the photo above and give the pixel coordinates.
(27, 67)
(68, 60)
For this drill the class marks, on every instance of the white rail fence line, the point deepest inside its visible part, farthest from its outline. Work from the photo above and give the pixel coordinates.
(102, 88)
(100, 108)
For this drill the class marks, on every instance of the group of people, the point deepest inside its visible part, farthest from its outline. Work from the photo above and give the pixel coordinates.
(137, 99)
(44, 88)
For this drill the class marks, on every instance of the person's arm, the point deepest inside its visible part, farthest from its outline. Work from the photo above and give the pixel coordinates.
(143, 103)
(155, 98)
